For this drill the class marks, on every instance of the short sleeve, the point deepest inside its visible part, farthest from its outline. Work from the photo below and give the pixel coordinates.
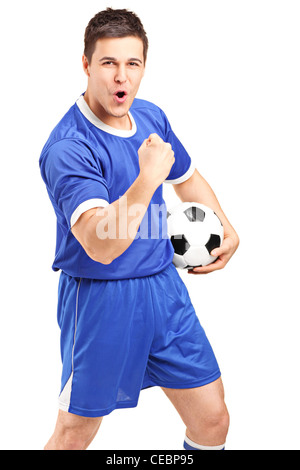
(73, 179)
(183, 167)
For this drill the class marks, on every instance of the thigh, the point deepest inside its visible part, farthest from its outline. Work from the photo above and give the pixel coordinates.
(181, 356)
(197, 404)
(106, 333)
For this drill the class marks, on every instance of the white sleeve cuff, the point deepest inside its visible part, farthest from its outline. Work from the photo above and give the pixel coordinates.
(85, 206)
(184, 177)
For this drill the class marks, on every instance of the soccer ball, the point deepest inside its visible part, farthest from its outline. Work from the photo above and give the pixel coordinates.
(194, 230)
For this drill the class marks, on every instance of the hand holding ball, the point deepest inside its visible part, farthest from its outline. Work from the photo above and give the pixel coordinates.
(195, 231)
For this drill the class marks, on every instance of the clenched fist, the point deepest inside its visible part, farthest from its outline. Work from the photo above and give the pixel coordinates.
(156, 159)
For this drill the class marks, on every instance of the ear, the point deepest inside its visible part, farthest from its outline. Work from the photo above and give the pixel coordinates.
(85, 64)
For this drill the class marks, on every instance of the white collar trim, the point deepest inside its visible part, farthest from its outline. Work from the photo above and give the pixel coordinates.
(88, 113)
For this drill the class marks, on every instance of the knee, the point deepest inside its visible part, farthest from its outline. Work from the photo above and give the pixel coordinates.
(218, 419)
(73, 440)
(214, 423)
(67, 439)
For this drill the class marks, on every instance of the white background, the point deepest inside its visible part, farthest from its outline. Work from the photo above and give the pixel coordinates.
(227, 75)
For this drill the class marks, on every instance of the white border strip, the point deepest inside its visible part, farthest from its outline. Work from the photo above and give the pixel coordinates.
(85, 206)
(88, 113)
(184, 177)
(199, 447)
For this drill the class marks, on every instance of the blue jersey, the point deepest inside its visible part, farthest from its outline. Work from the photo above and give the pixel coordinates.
(86, 164)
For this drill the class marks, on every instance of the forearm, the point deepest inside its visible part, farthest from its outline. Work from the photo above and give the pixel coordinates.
(196, 189)
(112, 229)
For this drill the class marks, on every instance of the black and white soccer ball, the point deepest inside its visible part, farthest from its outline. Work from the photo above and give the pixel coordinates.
(194, 230)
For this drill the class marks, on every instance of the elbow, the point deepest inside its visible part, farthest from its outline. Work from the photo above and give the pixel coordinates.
(106, 261)
(102, 251)
(99, 251)
(101, 258)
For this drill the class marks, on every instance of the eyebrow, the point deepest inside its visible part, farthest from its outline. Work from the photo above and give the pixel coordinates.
(113, 59)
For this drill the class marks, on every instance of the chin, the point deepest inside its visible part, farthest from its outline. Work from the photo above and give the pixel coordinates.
(119, 113)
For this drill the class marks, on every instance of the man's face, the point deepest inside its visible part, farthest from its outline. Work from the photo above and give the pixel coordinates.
(114, 76)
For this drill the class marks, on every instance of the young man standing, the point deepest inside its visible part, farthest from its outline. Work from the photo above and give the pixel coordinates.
(126, 319)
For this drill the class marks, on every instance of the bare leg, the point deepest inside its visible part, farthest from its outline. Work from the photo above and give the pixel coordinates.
(73, 432)
(203, 411)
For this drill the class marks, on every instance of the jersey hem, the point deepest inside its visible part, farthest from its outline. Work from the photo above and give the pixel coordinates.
(184, 177)
(85, 206)
(180, 385)
(99, 412)
(133, 404)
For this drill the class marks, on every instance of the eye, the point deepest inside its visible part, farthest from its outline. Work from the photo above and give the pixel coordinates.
(133, 64)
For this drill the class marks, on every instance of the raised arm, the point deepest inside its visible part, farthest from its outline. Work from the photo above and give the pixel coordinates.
(105, 233)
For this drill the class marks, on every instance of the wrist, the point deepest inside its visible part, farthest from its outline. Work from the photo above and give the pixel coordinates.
(146, 183)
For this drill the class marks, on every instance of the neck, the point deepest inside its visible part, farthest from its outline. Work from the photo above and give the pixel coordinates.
(121, 122)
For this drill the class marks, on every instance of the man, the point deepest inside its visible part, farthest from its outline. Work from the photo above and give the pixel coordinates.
(126, 319)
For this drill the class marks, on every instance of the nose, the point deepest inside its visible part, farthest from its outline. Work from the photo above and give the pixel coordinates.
(121, 75)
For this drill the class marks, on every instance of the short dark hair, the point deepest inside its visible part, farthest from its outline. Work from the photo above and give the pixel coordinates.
(112, 23)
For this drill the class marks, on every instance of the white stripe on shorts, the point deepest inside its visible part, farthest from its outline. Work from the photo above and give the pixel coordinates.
(65, 396)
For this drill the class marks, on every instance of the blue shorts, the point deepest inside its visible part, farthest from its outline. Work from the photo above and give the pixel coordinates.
(121, 336)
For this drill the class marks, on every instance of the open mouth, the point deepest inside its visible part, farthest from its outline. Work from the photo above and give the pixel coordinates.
(121, 96)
